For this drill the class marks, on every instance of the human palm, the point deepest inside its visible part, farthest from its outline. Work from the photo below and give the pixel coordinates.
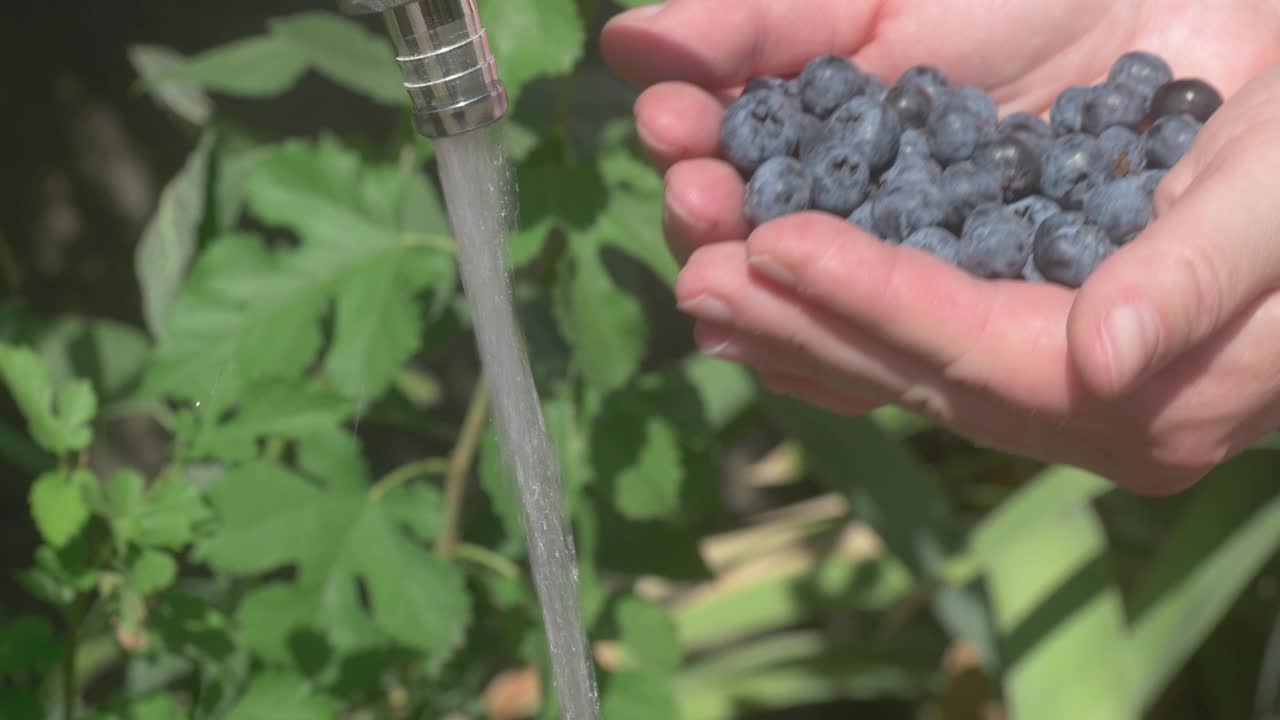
(832, 316)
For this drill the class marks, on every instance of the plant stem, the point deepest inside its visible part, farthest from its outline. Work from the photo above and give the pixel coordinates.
(460, 461)
(405, 473)
(74, 616)
(488, 559)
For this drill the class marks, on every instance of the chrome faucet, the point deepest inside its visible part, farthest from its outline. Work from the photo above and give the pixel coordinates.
(443, 52)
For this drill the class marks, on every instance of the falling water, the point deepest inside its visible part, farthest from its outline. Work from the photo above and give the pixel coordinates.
(479, 193)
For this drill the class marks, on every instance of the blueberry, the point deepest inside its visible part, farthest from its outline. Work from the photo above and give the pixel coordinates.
(1034, 209)
(869, 126)
(1125, 151)
(1068, 249)
(828, 82)
(1112, 104)
(911, 169)
(1144, 70)
(1151, 180)
(914, 142)
(873, 87)
(1030, 129)
(966, 186)
(1030, 272)
(1014, 162)
(841, 176)
(1120, 208)
(911, 103)
(862, 218)
(1169, 138)
(782, 185)
(973, 99)
(1190, 96)
(1067, 114)
(760, 126)
(1072, 166)
(768, 83)
(995, 242)
(954, 133)
(811, 133)
(902, 208)
(929, 77)
(936, 241)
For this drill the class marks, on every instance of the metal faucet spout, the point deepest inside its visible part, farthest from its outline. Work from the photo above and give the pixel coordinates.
(444, 56)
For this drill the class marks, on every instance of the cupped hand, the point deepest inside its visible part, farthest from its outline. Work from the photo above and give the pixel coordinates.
(1165, 363)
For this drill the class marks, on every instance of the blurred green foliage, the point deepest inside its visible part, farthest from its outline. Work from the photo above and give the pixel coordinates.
(296, 295)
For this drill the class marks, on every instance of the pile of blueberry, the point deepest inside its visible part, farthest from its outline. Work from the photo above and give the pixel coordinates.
(929, 164)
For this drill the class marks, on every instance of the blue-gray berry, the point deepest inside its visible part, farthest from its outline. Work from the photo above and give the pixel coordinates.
(1120, 208)
(1125, 151)
(841, 176)
(759, 126)
(1068, 249)
(781, 186)
(902, 208)
(827, 82)
(867, 125)
(937, 241)
(1071, 167)
(966, 186)
(1144, 70)
(1169, 138)
(995, 243)
(1113, 104)
(954, 133)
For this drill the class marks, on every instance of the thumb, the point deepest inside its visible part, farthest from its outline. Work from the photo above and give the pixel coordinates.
(1213, 249)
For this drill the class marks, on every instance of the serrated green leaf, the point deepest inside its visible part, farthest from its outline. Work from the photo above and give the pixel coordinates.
(271, 518)
(605, 324)
(334, 457)
(154, 64)
(554, 193)
(532, 38)
(419, 508)
(169, 242)
(28, 643)
(255, 67)
(152, 571)
(638, 696)
(166, 515)
(60, 574)
(109, 355)
(58, 505)
(289, 410)
(188, 625)
(266, 618)
(345, 52)
(283, 696)
(57, 429)
(378, 328)
(649, 632)
(248, 313)
(636, 451)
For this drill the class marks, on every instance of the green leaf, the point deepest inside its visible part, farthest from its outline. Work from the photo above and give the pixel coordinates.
(266, 619)
(152, 571)
(419, 508)
(154, 64)
(1061, 620)
(337, 537)
(334, 457)
(345, 52)
(532, 38)
(61, 574)
(166, 515)
(58, 504)
(638, 696)
(58, 430)
(1228, 531)
(283, 696)
(555, 193)
(649, 632)
(606, 325)
(169, 242)
(378, 327)
(893, 493)
(646, 484)
(28, 644)
(110, 355)
(289, 410)
(255, 67)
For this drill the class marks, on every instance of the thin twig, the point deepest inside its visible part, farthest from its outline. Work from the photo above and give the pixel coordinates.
(460, 461)
(405, 473)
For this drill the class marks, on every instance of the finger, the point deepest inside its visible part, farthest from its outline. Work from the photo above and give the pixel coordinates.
(808, 391)
(766, 355)
(720, 43)
(678, 121)
(702, 204)
(1003, 338)
(1194, 268)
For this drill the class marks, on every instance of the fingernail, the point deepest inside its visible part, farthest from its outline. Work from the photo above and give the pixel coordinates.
(720, 346)
(1131, 336)
(705, 307)
(678, 218)
(644, 12)
(774, 270)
